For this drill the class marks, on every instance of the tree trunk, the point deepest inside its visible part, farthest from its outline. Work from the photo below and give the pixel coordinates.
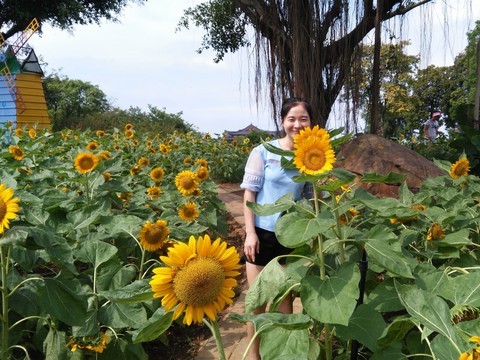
(376, 126)
(477, 91)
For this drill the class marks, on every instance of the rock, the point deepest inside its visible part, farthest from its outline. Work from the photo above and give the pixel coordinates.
(368, 153)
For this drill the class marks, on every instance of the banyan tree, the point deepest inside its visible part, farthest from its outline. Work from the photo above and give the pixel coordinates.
(303, 48)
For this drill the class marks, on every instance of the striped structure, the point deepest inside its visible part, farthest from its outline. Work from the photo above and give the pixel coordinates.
(22, 98)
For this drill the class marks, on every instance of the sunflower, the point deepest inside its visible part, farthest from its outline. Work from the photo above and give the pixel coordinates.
(246, 141)
(128, 126)
(100, 133)
(16, 152)
(207, 136)
(135, 142)
(135, 170)
(234, 143)
(188, 212)
(32, 133)
(92, 146)
(19, 132)
(129, 133)
(165, 149)
(348, 216)
(8, 207)
(157, 174)
(85, 162)
(97, 344)
(314, 155)
(435, 232)
(473, 353)
(198, 278)
(152, 236)
(202, 173)
(143, 161)
(117, 147)
(107, 176)
(186, 182)
(104, 155)
(187, 160)
(154, 192)
(201, 162)
(460, 168)
(308, 132)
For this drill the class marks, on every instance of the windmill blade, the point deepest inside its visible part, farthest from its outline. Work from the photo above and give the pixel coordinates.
(25, 35)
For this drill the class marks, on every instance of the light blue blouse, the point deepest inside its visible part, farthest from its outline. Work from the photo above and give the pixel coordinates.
(265, 176)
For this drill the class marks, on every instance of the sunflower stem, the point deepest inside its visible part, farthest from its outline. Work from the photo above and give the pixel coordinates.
(319, 237)
(4, 260)
(215, 329)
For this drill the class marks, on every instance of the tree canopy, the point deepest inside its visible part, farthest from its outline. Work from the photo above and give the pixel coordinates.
(15, 15)
(302, 48)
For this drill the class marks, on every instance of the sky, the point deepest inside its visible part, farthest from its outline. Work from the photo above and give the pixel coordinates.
(141, 60)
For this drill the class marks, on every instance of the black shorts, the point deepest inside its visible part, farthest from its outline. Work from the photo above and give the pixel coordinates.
(270, 248)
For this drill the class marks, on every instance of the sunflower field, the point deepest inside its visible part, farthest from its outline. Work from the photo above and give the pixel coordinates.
(85, 217)
(378, 278)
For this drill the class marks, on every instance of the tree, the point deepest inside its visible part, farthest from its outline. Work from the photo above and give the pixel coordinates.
(15, 15)
(307, 47)
(398, 104)
(71, 101)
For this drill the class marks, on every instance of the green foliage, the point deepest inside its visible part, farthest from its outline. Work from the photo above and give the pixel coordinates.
(70, 101)
(74, 272)
(224, 23)
(17, 14)
(421, 269)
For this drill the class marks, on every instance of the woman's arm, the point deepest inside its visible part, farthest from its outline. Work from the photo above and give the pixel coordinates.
(251, 246)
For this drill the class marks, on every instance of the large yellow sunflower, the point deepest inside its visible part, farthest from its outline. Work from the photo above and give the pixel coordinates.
(198, 278)
(188, 212)
(32, 133)
(186, 182)
(16, 152)
(152, 236)
(308, 132)
(85, 162)
(157, 174)
(314, 155)
(460, 168)
(8, 207)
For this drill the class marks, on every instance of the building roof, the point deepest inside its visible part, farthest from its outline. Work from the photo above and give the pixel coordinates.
(230, 134)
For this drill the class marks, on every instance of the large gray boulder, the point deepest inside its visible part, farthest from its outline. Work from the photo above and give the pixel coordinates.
(369, 153)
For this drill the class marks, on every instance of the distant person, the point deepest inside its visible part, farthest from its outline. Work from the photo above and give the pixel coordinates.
(265, 181)
(430, 128)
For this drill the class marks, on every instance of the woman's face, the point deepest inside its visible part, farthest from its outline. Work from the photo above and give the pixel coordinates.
(295, 120)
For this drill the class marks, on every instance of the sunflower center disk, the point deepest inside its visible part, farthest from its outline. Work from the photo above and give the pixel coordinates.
(314, 159)
(87, 163)
(154, 235)
(187, 183)
(3, 209)
(200, 282)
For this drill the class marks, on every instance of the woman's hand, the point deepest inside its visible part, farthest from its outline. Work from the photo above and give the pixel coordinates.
(251, 247)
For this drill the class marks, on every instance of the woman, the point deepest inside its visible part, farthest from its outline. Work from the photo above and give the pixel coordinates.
(265, 181)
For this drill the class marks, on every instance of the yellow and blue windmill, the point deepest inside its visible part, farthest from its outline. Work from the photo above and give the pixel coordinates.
(22, 98)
